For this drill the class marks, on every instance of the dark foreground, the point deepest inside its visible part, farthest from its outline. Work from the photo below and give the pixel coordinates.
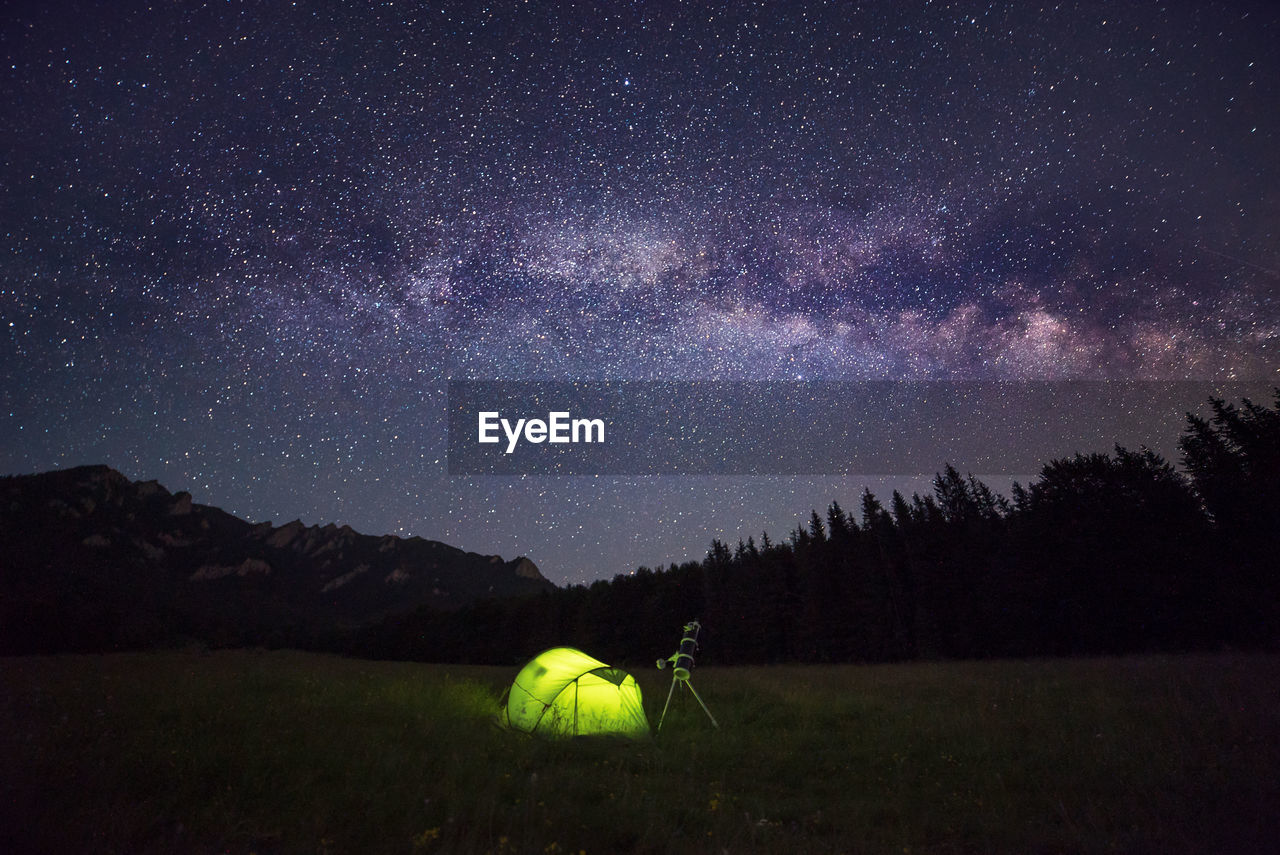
(287, 752)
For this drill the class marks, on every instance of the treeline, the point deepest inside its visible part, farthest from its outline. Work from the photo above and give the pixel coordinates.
(1102, 553)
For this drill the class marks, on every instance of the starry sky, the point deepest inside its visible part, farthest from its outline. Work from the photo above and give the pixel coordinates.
(247, 245)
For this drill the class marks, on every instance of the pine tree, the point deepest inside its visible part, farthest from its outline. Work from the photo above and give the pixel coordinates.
(816, 530)
(839, 524)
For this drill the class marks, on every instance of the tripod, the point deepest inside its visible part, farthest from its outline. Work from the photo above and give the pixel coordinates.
(682, 667)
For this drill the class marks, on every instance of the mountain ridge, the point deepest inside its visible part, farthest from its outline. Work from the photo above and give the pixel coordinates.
(94, 560)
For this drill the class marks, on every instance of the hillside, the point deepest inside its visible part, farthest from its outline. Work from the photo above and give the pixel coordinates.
(94, 561)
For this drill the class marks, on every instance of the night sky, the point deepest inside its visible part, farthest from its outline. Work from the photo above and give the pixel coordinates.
(245, 246)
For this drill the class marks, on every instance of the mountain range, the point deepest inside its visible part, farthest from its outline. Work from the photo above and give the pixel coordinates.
(90, 560)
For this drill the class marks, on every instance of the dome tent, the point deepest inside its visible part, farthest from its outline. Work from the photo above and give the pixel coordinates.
(565, 692)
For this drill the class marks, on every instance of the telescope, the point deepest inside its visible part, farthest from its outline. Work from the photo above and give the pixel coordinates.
(681, 663)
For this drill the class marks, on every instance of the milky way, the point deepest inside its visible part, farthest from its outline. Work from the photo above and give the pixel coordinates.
(246, 246)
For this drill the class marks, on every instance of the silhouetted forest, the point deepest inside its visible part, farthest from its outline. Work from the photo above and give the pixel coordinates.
(1101, 554)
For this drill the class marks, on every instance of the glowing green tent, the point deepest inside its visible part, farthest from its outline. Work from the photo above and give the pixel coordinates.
(565, 692)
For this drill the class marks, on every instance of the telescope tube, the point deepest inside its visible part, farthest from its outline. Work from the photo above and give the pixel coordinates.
(684, 655)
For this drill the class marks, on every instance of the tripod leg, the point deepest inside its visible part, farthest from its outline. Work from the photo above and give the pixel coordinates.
(667, 704)
(701, 704)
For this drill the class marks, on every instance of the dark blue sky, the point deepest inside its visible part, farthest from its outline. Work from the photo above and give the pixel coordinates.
(246, 245)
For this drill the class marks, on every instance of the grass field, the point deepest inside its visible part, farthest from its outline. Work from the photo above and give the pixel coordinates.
(289, 752)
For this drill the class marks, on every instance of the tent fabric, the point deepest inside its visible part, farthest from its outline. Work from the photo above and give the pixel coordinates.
(565, 692)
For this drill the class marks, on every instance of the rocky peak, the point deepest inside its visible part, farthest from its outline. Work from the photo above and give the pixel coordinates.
(181, 505)
(285, 535)
(526, 569)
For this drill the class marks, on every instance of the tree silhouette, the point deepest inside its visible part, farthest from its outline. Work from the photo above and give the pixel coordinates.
(1100, 553)
(1233, 459)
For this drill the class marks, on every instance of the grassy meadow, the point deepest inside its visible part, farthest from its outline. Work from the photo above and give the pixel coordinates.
(289, 752)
